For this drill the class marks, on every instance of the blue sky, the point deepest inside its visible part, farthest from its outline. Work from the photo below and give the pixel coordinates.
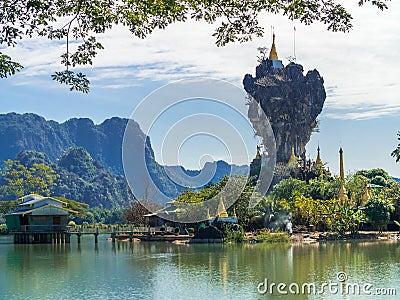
(360, 69)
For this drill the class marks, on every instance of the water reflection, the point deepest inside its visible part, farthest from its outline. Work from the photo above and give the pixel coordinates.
(169, 271)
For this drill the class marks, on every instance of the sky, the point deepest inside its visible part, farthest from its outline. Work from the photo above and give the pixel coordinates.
(360, 69)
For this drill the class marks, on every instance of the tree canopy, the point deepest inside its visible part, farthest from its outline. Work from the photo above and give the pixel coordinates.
(21, 181)
(84, 20)
(396, 152)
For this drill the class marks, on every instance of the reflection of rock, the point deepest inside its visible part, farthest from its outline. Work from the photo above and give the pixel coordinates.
(290, 100)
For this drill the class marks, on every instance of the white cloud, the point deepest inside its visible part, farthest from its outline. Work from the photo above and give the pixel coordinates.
(360, 68)
(371, 112)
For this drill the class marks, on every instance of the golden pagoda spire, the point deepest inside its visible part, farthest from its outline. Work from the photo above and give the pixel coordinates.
(221, 209)
(318, 161)
(342, 191)
(293, 160)
(273, 55)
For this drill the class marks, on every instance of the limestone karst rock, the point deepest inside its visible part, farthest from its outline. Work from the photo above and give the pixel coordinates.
(290, 100)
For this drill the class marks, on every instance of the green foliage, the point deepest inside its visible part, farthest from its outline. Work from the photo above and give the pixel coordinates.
(265, 236)
(235, 236)
(396, 152)
(84, 179)
(393, 193)
(84, 19)
(377, 176)
(318, 188)
(355, 186)
(240, 188)
(288, 189)
(345, 218)
(6, 207)
(378, 210)
(82, 209)
(107, 216)
(7, 66)
(308, 211)
(21, 181)
(76, 82)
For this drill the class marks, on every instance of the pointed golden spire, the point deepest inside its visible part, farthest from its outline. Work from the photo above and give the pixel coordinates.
(234, 212)
(318, 161)
(342, 191)
(293, 160)
(221, 209)
(273, 54)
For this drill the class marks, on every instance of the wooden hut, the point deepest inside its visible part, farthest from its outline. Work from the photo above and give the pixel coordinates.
(39, 220)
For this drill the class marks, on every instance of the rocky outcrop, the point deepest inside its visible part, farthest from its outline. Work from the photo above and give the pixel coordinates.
(290, 100)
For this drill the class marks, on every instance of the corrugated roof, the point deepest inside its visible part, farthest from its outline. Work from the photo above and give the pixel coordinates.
(25, 212)
(38, 199)
(29, 199)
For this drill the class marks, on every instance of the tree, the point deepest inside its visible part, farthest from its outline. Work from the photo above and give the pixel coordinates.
(135, 213)
(344, 217)
(396, 152)
(21, 181)
(377, 176)
(378, 210)
(82, 20)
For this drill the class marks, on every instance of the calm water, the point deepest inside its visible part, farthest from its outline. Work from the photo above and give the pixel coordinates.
(169, 271)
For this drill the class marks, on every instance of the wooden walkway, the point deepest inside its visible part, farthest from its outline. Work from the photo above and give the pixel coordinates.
(29, 236)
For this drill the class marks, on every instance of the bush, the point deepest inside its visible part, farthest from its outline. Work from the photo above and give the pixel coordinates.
(237, 236)
(267, 237)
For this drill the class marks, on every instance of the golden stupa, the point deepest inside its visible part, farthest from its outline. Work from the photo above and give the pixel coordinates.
(273, 55)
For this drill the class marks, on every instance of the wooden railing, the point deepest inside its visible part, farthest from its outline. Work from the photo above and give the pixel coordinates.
(117, 230)
(43, 228)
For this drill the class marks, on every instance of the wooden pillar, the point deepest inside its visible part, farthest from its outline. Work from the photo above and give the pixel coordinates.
(113, 234)
(96, 236)
(79, 236)
(131, 236)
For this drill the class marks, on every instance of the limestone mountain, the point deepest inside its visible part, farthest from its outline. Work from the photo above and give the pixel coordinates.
(20, 132)
(291, 101)
(82, 178)
(95, 158)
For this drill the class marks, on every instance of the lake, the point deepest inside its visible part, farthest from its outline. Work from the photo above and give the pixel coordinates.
(158, 270)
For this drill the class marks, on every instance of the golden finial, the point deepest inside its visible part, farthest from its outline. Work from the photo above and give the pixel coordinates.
(273, 55)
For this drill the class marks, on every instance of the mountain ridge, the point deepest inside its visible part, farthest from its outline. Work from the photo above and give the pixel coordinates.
(29, 131)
